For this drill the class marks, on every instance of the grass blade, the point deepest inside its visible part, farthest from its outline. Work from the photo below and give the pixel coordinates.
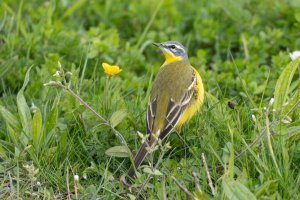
(235, 190)
(36, 128)
(283, 83)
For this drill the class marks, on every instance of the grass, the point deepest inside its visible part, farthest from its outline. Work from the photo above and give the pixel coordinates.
(240, 48)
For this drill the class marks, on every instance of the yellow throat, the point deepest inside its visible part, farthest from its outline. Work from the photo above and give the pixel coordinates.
(170, 57)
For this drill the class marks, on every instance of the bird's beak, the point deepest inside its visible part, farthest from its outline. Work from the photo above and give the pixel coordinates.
(157, 44)
(169, 56)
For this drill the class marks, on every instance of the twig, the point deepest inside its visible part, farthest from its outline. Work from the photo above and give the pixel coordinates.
(86, 105)
(181, 187)
(208, 175)
(106, 122)
(197, 183)
(66, 87)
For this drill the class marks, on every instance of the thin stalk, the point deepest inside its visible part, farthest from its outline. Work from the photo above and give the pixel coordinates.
(105, 122)
(270, 144)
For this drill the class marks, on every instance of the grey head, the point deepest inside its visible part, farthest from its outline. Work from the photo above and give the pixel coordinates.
(173, 48)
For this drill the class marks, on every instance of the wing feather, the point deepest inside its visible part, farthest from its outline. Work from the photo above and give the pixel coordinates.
(175, 110)
(151, 110)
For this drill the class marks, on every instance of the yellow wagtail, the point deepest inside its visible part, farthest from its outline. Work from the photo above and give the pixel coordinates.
(176, 95)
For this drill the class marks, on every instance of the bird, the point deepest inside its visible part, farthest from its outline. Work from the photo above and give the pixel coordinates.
(176, 95)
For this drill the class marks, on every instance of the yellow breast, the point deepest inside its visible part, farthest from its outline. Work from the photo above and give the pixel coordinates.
(195, 104)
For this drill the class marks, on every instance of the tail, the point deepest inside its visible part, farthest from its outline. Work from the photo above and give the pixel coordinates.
(138, 159)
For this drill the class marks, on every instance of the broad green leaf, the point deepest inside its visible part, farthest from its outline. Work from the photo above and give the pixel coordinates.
(17, 153)
(51, 119)
(292, 101)
(292, 133)
(23, 109)
(24, 112)
(36, 128)
(14, 136)
(201, 196)
(24, 139)
(150, 171)
(283, 84)
(117, 117)
(63, 140)
(117, 151)
(235, 190)
(50, 123)
(10, 119)
(26, 79)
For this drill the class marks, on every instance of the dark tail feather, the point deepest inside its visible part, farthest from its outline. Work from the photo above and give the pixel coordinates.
(138, 159)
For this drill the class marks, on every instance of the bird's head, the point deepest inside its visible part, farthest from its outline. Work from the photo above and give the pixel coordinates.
(173, 51)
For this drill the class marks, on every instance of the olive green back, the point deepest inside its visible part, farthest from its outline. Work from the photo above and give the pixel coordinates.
(171, 81)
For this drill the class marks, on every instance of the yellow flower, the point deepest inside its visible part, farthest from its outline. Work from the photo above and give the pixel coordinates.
(111, 70)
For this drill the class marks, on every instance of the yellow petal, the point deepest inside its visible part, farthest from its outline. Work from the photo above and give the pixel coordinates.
(111, 69)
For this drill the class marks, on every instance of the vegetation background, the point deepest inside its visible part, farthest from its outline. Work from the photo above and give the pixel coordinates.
(241, 49)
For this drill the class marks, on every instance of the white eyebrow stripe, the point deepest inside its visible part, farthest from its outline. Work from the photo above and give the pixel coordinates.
(179, 47)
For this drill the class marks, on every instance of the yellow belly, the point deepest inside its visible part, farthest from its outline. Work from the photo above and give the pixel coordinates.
(195, 104)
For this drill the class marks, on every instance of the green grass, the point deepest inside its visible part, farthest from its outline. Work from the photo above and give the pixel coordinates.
(240, 48)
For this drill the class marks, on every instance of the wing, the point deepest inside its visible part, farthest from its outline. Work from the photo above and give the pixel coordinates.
(175, 110)
(151, 110)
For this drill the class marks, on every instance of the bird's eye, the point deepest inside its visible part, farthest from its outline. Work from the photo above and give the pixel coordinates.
(173, 46)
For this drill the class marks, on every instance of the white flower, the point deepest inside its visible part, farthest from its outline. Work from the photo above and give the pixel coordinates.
(294, 55)
(143, 137)
(26, 166)
(52, 83)
(253, 117)
(33, 108)
(265, 108)
(168, 146)
(286, 120)
(271, 101)
(38, 183)
(57, 74)
(76, 177)
(140, 134)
